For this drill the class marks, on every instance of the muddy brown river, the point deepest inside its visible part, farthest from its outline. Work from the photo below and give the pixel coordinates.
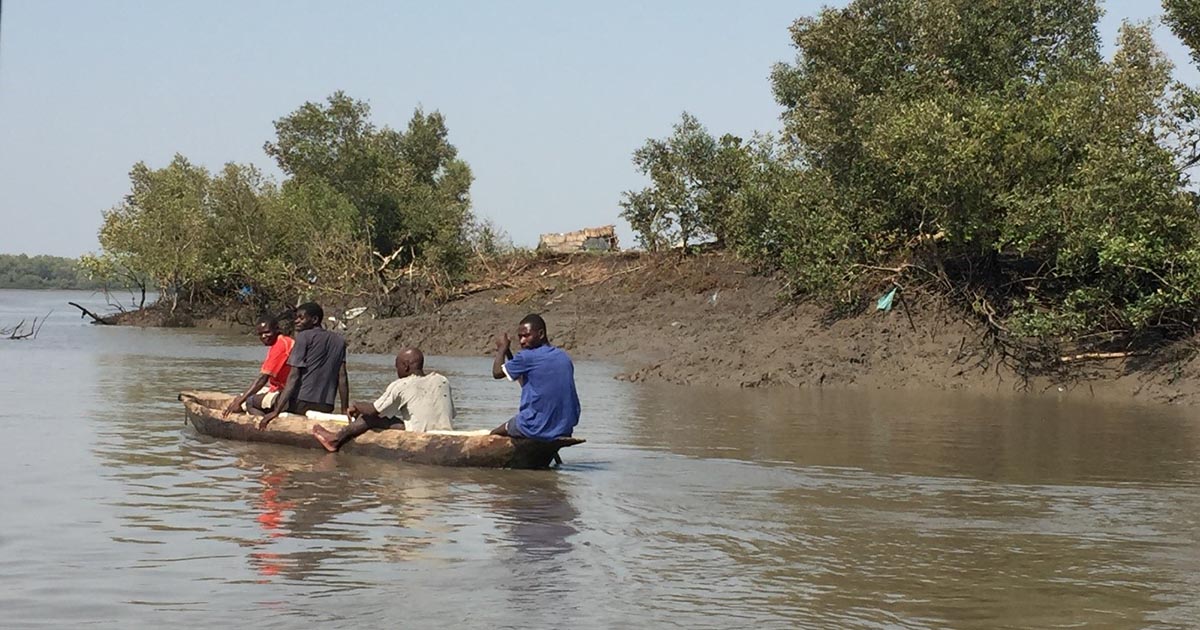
(686, 508)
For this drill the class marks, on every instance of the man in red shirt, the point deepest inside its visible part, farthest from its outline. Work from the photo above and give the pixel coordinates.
(261, 395)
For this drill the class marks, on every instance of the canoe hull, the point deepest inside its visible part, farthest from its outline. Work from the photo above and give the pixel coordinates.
(204, 412)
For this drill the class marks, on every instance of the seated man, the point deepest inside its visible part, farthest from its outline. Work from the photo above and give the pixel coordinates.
(262, 393)
(415, 401)
(318, 368)
(549, 403)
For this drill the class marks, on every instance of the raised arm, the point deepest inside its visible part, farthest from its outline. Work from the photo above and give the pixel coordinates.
(502, 354)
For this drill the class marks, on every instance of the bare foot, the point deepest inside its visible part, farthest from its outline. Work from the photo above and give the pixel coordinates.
(327, 439)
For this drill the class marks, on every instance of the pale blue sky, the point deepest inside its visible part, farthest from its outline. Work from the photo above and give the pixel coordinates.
(545, 100)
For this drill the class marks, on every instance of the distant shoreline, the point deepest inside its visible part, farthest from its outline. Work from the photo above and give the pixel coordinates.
(21, 271)
(25, 288)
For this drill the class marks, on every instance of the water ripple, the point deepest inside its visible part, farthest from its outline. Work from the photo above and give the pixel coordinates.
(686, 508)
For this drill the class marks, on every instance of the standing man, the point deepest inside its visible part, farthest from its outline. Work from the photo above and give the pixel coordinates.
(318, 368)
(274, 373)
(549, 403)
(415, 401)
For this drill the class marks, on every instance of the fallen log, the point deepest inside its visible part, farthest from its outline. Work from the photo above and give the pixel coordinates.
(96, 319)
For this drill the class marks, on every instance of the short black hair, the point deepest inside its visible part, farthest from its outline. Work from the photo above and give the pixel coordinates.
(535, 322)
(271, 322)
(312, 309)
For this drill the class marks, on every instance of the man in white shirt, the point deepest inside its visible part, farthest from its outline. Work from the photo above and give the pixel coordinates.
(415, 401)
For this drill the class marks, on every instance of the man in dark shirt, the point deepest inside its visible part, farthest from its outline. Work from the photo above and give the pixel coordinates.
(318, 368)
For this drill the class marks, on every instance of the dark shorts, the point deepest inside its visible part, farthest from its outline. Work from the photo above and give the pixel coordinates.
(259, 401)
(381, 422)
(300, 407)
(512, 428)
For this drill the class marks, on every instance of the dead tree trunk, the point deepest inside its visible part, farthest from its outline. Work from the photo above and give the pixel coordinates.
(96, 319)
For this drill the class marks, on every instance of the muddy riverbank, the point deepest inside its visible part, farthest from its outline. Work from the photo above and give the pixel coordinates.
(711, 321)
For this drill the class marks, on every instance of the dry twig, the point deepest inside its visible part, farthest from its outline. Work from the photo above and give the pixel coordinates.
(1099, 356)
(19, 332)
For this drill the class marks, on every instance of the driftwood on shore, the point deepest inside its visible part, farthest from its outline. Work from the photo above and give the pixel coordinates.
(96, 319)
(1099, 356)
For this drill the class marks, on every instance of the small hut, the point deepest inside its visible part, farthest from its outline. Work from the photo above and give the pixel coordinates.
(597, 239)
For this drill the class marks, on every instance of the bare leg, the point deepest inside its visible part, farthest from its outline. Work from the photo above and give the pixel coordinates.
(332, 441)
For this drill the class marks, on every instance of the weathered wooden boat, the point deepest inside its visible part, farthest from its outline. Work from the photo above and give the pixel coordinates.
(204, 411)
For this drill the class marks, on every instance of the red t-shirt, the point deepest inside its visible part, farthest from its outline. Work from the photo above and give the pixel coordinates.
(276, 365)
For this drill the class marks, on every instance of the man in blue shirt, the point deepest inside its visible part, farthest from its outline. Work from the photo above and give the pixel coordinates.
(549, 403)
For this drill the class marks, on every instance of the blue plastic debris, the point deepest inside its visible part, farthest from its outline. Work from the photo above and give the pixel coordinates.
(885, 303)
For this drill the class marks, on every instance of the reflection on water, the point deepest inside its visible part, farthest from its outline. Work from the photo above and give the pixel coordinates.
(688, 508)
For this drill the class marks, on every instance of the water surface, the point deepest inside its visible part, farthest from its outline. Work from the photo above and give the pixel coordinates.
(686, 508)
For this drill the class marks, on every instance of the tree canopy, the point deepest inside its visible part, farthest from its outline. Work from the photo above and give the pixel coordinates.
(987, 148)
(19, 271)
(365, 214)
(1183, 16)
(410, 189)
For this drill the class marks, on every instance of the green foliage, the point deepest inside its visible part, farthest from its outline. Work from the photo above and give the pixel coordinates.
(987, 144)
(410, 189)
(692, 178)
(990, 141)
(367, 216)
(789, 218)
(42, 272)
(164, 228)
(1183, 16)
(111, 274)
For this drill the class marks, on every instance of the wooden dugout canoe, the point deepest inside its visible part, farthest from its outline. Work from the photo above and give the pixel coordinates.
(441, 448)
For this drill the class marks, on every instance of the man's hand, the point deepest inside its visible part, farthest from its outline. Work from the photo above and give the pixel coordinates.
(501, 354)
(234, 406)
(271, 415)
